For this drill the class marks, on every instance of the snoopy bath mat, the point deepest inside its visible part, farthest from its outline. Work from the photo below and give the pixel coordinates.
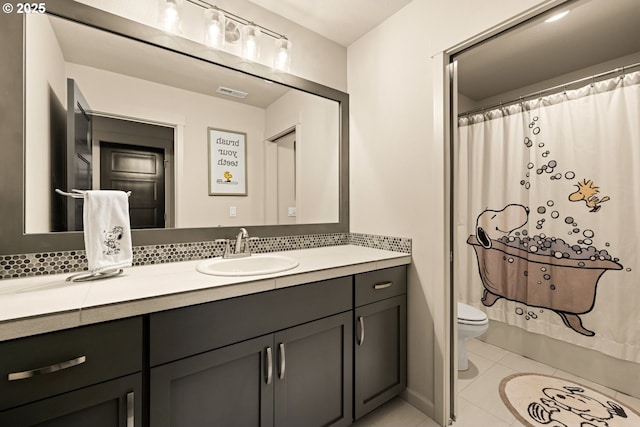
(542, 401)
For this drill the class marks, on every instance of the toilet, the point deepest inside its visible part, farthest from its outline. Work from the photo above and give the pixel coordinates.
(472, 322)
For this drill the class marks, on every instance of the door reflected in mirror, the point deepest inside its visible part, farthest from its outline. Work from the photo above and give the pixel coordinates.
(129, 86)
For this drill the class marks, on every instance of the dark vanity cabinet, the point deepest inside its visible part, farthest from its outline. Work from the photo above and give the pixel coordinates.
(278, 358)
(317, 354)
(87, 376)
(380, 338)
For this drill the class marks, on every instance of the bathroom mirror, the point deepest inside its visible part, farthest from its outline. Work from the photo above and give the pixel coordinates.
(135, 90)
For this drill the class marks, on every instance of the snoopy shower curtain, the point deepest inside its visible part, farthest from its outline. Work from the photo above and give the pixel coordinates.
(547, 215)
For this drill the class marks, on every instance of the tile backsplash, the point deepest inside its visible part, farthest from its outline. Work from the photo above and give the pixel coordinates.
(24, 265)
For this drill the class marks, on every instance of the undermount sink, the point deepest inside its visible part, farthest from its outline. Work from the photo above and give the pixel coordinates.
(249, 266)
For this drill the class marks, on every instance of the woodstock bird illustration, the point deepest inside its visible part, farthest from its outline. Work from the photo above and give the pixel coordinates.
(228, 176)
(587, 191)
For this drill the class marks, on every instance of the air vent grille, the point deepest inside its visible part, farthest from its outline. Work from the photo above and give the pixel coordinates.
(231, 92)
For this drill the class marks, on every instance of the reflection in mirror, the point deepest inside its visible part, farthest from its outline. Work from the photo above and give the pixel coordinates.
(144, 117)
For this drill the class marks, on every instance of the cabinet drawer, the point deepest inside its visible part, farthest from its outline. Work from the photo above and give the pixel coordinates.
(183, 332)
(380, 284)
(36, 367)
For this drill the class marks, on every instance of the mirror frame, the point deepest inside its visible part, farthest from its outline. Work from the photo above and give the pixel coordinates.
(13, 240)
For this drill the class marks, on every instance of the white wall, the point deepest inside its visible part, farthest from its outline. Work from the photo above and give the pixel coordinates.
(44, 73)
(317, 122)
(397, 169)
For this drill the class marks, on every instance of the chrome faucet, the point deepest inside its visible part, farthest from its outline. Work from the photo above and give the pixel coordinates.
(241, 239)
(241, 248)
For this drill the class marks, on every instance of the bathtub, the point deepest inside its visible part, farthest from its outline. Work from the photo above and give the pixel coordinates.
(564, 285)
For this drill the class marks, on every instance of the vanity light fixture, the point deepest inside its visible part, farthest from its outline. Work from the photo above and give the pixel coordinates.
(222, 29)
(557, 16)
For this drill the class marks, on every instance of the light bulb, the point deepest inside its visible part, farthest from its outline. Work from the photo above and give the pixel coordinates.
(169, 17)
(214, 23)
(282, 55)
(251, 42)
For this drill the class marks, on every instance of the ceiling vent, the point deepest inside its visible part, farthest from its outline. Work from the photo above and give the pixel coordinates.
(231, 92)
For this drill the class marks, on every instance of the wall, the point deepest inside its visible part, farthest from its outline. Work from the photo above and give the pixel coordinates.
(397, 169)
(317, 122)
(46, 79)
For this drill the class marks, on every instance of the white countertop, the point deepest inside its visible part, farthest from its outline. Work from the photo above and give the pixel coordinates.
(39, 304)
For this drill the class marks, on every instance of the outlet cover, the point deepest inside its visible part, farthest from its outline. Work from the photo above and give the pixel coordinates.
(291, 211)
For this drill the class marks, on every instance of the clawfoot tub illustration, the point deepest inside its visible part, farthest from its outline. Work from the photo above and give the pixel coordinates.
(539, 272)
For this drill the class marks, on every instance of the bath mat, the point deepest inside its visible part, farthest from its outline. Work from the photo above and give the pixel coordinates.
(538, 400)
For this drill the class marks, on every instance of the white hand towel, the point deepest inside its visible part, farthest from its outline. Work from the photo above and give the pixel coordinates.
(107, 230)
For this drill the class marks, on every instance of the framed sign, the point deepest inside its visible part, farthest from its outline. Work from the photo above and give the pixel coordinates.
(227, 163)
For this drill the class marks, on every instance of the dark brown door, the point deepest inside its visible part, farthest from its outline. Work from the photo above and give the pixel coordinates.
(141, 171)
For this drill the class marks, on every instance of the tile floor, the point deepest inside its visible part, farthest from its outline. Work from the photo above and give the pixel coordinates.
(479, 404)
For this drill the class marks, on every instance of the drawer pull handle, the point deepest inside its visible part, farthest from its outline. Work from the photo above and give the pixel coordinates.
(283, 361)
(48, 369)
(380, 286)
(269, 363)
(131, 418)
(361, 337)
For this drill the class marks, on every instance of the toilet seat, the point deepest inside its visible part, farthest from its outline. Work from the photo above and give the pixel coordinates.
(468, 315)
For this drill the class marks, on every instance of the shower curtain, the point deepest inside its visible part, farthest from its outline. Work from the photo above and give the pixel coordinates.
(547, 215)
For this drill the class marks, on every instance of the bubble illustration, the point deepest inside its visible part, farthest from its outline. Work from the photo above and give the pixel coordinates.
(588, 233)
(550, 203)
(570, 175)
(555, 214)
(569, 220)
(541, 209)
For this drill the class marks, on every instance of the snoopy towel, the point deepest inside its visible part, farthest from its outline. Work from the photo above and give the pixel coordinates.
(107, 230)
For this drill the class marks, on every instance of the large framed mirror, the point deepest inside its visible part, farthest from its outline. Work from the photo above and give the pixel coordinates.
(147, 101)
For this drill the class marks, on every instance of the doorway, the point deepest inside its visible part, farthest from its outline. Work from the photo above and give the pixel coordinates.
(281, 177)
(473, 87)
(137, 157)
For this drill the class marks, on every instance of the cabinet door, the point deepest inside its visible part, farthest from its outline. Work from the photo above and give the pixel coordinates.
(314, 373)
(380, 353)
(116, 403)
(231, 386)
